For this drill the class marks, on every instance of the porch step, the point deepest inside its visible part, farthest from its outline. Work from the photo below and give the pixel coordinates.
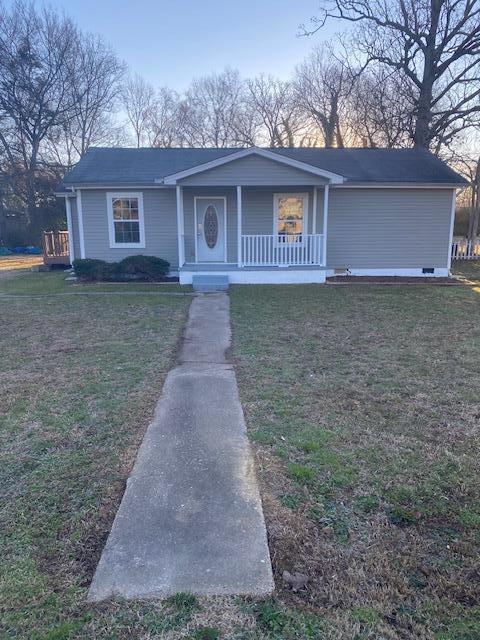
(210, 283)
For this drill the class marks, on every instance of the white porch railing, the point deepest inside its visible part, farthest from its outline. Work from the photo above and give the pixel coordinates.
(282, 251)
(465, 250)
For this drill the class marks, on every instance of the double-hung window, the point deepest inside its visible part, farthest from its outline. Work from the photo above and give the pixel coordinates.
(125, 220)
(290, 216)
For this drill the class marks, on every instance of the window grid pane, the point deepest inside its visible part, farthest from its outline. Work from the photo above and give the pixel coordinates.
(126, 220)
(290, 217)
(127, 232)
(125, 209)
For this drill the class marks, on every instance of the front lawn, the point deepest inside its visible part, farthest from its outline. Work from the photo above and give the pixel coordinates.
(363, 404)
(80, 377)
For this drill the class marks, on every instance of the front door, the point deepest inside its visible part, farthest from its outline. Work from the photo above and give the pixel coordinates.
(210, 222)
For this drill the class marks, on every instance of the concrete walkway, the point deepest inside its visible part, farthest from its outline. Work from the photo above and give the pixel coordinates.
(191, 517)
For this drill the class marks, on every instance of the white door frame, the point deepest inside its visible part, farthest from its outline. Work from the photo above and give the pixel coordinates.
(224, 198)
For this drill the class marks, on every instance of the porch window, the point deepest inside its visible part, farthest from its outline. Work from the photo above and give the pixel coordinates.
(290, 216)
(125, 220)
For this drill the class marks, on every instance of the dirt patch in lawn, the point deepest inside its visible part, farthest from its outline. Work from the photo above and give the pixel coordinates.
(14, 263)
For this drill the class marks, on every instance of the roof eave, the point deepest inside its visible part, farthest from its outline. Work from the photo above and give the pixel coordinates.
(402, 185)
(117, 185)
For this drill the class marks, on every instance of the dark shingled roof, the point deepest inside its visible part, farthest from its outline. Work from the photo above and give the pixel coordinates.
(102, 165)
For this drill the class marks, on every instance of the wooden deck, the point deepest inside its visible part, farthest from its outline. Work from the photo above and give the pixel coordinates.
(56, 248)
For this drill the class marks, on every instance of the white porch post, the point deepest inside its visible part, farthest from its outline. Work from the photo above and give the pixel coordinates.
(81, 236)
(239, 226)
(325, 223)
(180, 227)
(450, 235)
(68, 207)
(314, 212)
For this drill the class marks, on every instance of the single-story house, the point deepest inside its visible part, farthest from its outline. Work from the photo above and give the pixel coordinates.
(265, 215)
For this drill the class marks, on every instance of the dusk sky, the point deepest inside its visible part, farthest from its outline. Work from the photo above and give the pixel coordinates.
(169, 42)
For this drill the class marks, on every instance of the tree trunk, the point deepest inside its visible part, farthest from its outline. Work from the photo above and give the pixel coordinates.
(289, 133)
(3, 225)
(423, 134)
(31, 183)
(339, 136)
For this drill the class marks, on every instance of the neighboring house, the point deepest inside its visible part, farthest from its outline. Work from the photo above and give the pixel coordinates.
(265, 215)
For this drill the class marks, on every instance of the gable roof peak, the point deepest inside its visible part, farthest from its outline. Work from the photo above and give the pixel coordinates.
(334, 178)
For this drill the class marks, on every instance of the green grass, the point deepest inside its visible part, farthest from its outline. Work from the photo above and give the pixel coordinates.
(54, 282)
(363, 406)
(276, 622)
(80, 377)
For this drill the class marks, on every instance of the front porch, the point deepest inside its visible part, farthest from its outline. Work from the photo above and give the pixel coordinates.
(253, 234)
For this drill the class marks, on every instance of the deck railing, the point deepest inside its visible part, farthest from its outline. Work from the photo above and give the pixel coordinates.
(282, 251)
(465, 250)
(55, 247)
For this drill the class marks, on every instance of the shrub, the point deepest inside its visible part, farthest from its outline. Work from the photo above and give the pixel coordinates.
(144, 267)
(131, 268)
(91, 270)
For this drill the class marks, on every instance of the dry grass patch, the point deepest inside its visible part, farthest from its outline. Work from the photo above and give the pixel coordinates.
(363, 403)
(18, 262)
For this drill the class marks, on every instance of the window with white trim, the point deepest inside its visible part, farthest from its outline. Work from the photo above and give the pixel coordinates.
(290, 216)
(125, 220)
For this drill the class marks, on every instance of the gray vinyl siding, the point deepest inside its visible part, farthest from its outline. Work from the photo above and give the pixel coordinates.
(253, 170)
(160, 226)
(368, 228)
(258, 209)
(388, 228)
(257, 213)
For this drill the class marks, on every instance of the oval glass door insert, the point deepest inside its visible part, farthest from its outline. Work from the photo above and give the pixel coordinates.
(210, 226)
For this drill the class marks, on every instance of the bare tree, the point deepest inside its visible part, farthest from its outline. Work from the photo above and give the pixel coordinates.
(469, 165)
(36, 57)
(95, 84)
(322, 88)
(272, 106)
(474, 217)
(435, 44)
(63, 145)
(210, 110)
(138, 100)
(164, 120)
(379, 110)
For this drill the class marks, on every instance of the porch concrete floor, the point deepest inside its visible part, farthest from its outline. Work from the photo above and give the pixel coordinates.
(191, 517)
